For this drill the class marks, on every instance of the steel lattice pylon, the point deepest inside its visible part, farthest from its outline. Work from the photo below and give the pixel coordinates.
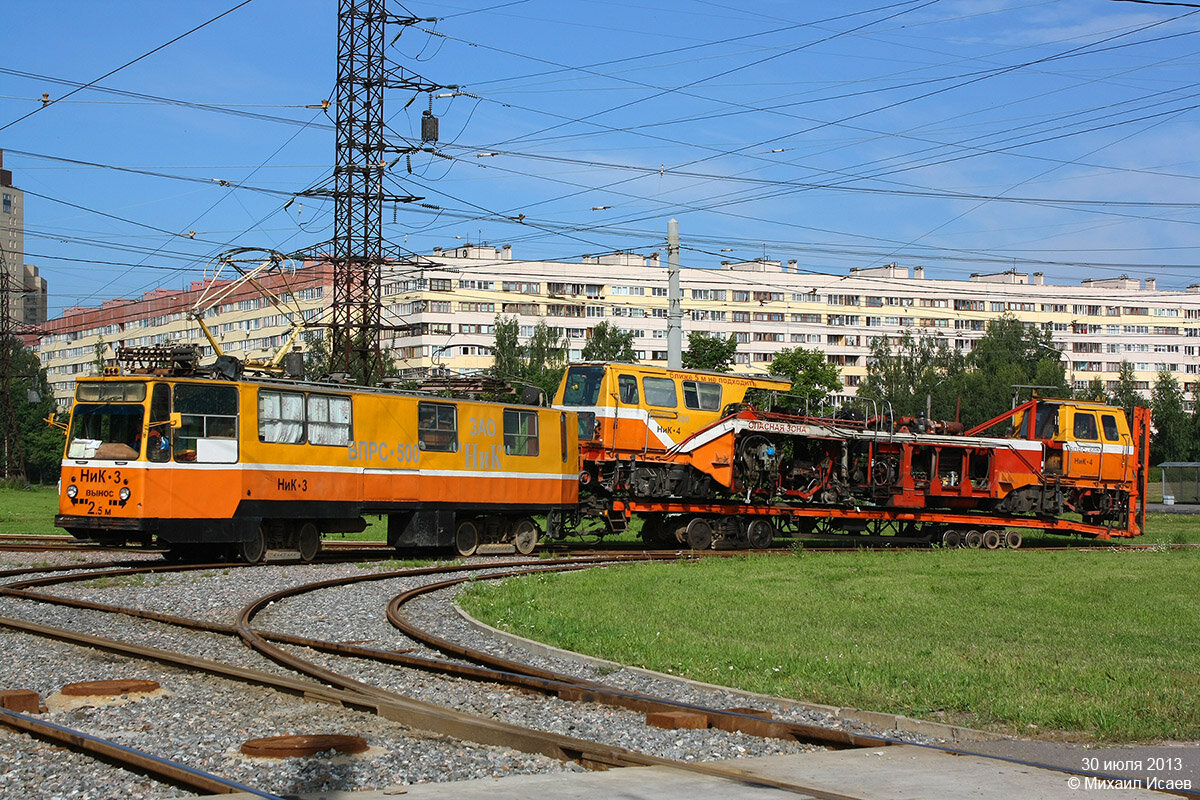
(358, 188)
(358, 193)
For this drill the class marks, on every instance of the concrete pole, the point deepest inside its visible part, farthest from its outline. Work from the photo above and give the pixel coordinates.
(674, 299)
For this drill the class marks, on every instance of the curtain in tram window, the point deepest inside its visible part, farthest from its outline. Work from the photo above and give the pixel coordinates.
(281, 417)
(328, 419)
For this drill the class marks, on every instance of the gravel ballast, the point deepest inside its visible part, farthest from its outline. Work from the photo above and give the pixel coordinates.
(201, 721)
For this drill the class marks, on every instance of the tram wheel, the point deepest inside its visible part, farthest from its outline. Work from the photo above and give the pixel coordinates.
(952, 539)
(308, 541)
(525, 535)
(254, 549)
(760, 533)
(466, 538)
(699, 534)
(1012, 539)
(991, 539)
(974, 539)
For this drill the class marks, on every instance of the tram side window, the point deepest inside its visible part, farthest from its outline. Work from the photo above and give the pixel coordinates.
(328, 419)
(280, 417)
(437, 427)
(702, 395)
(1085, 426)
(209, 423)
(627, 389)
(1112, 433)
(520, 432)
(660, 392)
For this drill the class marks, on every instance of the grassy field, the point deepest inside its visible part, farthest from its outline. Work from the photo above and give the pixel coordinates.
(1082, 644)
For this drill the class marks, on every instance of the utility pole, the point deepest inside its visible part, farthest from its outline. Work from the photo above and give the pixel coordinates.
(674, 299)
(358, 194)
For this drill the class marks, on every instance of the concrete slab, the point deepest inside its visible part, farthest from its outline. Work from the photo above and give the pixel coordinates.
(884, 773)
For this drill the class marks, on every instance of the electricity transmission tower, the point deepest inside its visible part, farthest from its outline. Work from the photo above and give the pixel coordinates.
(362, 154)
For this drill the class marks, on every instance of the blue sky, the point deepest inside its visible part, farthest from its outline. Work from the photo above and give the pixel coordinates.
(967, 136)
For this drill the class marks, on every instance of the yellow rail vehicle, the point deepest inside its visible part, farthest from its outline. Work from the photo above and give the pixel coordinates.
(207, 466)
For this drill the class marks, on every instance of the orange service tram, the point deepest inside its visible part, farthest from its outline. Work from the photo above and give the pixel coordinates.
(685, 451)
(209, 467)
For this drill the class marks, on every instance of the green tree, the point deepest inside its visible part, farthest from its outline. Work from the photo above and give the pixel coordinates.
(1126, 394)
(609, 343)
(1009, 356)
(1171, 439)
(32, 402)
(319, 362)
(1094, 391)
(813, 377)
(917, 368)
(709, 351)
(540, 362)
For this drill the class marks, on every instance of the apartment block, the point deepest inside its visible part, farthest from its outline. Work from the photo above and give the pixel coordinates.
(444, 315)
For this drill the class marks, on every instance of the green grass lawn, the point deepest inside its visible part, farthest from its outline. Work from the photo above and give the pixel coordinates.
(29, 511)
(1083, 644)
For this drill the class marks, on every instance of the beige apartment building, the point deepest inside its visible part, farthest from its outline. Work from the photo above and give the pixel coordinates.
(447, 314)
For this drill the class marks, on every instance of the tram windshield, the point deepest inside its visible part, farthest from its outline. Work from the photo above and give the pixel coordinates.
(106, 431)
(583, 386)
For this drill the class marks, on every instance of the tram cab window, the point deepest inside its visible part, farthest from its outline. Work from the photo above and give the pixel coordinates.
(1046, 423)
(1085, 426)
(208, 433)
(109, 431)
(437, 427)
(627, 389)
(660, 392)
(1112, 432)
(107, 420)
(583, 386)
(702, 395)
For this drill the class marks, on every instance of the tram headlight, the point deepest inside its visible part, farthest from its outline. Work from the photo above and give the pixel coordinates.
(72, 490)
(124, 493)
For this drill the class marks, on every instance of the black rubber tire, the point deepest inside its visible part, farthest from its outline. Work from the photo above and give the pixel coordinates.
(699, 534)
(466, 538)
(308, 542)
(760, 533)
(525, 535)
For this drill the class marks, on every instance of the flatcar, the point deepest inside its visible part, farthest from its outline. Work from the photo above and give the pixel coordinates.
(206, 466)
(683, 450)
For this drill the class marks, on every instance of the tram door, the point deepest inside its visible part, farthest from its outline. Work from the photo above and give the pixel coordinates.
(1084, 453)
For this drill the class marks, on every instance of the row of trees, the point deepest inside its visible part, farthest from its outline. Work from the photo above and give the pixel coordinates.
(919, 374)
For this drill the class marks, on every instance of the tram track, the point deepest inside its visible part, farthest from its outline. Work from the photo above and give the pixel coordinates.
(359, 696)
